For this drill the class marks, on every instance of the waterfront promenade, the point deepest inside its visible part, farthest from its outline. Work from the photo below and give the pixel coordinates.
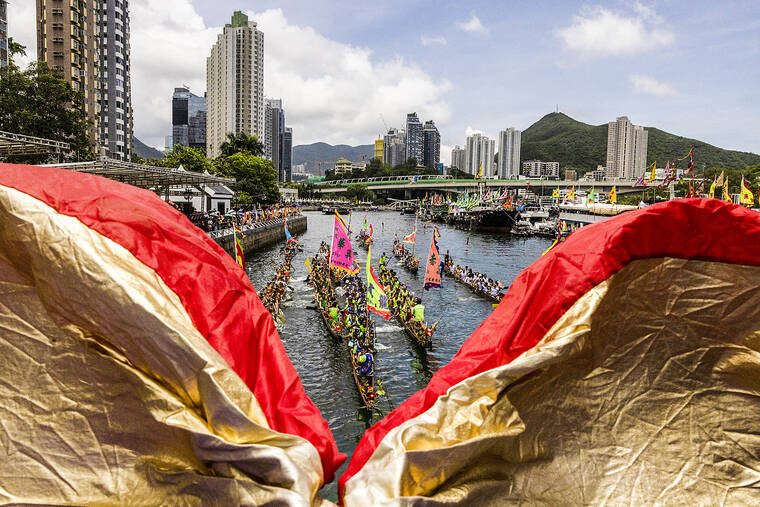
(260, 234)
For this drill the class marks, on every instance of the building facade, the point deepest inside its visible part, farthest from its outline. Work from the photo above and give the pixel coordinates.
(67, 40)
(508, 166)
(415, 138)
(459, 158)
(274, 120)
(394, 147)
(4, 51)
(287, 154)
(235, 83)
(431, 145)
(626, 149)
(188, 119)
(540, 169)
(379, 150)
(479, 154)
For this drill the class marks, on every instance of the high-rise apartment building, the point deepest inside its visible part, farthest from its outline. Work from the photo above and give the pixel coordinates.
(274, 119)
(539, 169)
(394, 147)
(379, 150)
(67, 40)
(431, 145)
(626, 149)
(235, 83)
(415, 138)
(479, 154)
(88, 41)
(188, 119)
(508, 166)
(459, 158)
(4, 53)
(116, 122)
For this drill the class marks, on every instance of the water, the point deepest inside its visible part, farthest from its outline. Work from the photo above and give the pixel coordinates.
(402, 367)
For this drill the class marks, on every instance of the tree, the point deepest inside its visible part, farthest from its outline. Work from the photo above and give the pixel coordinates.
(256, 177)
(39, 102)
(192, 159)
(359, 192)
(460, 175)
(242, 142)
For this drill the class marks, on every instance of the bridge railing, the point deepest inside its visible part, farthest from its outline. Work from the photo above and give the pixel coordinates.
(410, 178)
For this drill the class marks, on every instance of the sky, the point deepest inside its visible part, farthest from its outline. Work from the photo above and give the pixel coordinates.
(346, 69)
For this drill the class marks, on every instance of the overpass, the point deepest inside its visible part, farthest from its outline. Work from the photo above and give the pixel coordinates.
(446, 183)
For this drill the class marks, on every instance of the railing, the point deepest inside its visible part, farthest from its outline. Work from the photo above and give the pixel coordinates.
(258, 226)
(419, 177)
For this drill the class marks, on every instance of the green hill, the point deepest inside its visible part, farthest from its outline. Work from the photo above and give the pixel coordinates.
(577, 145)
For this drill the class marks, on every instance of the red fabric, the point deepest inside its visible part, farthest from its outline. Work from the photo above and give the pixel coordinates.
(216, 293)
(703, 229)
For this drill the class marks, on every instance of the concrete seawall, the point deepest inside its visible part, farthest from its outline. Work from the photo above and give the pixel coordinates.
(260, 235)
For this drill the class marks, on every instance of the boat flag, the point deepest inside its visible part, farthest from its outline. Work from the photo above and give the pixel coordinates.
(613, 195)
(719, 181)
(726, 195)
(377, 300)
(237, 233)
(555, 193)
(341, 253)
(747, 199)
(591, 197)
(641, 182)
(712, 188)
(410, 238)
(433, 271)
(570, 194)
(480, 170)
(288, 237)
(691, 190)
(371, 231)
(436, 232)
(653, 174)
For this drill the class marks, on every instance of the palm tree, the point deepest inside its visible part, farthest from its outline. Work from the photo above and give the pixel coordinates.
(242, 142)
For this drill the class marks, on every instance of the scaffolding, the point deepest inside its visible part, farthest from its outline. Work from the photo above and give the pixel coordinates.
(18, 144)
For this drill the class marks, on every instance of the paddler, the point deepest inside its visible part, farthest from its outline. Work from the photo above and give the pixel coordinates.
(418, 311)
(382, 259)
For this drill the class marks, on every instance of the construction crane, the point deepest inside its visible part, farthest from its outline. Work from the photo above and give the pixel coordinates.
(384, 125)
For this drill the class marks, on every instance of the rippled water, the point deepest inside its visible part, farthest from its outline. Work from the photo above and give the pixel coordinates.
(402, 367)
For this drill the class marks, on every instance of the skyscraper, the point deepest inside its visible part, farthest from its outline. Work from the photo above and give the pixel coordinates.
(116, 122)
(414, 138)
(274, 119)
(509, 154)
(287, 154)
(431, 149)
(88, 41)
(188, 119)
(235, 83)
(3, 34)
(379, 150)
(479, 155)
(67, 40)
(626, 149)
(459, 158)
(394, 147)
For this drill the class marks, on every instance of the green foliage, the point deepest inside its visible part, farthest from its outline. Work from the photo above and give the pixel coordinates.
(192, 159)
(461, 175)
(579, 146)
(39, 102)
(359, 192)
(242, 142)
(256, 177)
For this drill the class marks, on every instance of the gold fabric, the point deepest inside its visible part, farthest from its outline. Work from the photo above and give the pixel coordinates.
(110, 394)
(645, 392)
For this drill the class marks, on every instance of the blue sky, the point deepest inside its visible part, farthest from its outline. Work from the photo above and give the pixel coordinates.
(690, 68)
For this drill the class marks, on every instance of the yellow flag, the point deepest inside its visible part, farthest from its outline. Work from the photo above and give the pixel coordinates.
(726, 195)
(571, 193)
(308, 265)
(480, 170)
(653, 173)
(555, 194)
(712, 189)
(748, 198)
(613, 195)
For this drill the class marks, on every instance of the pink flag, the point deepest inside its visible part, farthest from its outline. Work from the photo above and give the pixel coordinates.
(433, 271)
(341, 255)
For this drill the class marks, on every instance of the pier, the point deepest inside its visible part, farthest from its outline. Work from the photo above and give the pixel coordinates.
(260, 234)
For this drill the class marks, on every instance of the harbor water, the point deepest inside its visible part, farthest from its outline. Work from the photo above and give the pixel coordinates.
(402, 367)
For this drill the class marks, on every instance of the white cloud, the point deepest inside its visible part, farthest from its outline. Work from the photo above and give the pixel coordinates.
(598, 32)
(470, 131)
(427, 41)
(649, 85)
(473, 26)
(446, 154)
(22, 27)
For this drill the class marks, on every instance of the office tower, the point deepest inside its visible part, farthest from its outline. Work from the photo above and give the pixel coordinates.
(431, 145)
(168, 144)
(188, 119)
(394, 147)
(4, 52)
(287, 154)
(274, 119)
(480, 150)
(414, 138)
(235, 83)
(379, 150)
(626, 149)
(509, 154)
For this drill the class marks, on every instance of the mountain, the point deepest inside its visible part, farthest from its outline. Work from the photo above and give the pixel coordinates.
(323, 152)
(577, 145)
(145, 151)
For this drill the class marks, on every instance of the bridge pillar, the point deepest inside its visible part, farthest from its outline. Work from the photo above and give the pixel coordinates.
(407, 194)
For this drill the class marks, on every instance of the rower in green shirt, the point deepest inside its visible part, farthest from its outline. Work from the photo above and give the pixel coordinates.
(419, 312)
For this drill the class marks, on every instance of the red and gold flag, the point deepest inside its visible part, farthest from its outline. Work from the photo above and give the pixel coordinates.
(433, 270)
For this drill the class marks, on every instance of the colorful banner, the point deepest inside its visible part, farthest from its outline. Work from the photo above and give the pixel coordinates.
(341, 253)
(747, 198)
(613, 195)
(653, 174)
(237, 233)
(433, 271)
(410, 238)
(288, 237)
(377, 301)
